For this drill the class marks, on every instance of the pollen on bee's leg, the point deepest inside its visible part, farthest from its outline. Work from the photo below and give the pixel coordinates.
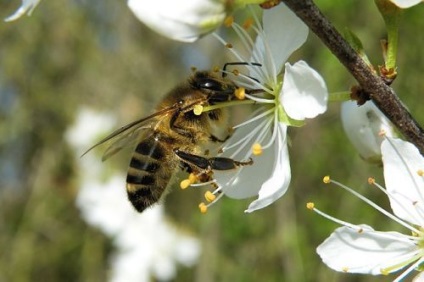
(257, 149)
(240, 93)
(197, 110)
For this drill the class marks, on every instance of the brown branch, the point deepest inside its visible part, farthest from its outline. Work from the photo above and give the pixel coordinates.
(383, 96)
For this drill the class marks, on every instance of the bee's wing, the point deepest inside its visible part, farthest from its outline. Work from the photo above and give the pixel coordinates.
(124, 139)
(128, 133)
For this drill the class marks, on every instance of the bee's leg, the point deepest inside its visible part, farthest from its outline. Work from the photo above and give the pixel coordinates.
(207, 164)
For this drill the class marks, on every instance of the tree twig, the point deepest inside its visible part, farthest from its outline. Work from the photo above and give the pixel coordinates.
(383, 96)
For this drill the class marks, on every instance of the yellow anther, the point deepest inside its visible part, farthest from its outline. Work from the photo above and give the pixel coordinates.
(257, 149)
(193, 69)
(420, 172)
(310, 205)
(185, 183)
(209, 196)
(248, 23)
(240, 93)
(371, 180)
(345, 269)
(360, 230)
(236, 72)
(326, 179)
(382, 133)
(216, 69)
(384, 271)
(228, 21)
(197, 110)
(192, 178)
(229, 45)
(203, 208)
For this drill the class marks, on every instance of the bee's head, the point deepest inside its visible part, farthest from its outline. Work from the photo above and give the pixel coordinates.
(218, 89)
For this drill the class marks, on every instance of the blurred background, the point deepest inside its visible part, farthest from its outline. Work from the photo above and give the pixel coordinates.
(70, 56)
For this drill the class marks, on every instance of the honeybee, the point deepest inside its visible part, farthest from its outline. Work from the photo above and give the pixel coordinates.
(173, 137)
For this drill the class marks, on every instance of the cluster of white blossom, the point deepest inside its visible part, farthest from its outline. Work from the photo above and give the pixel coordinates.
(146, 245)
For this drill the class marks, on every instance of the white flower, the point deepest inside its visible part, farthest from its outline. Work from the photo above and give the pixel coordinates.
(183, 20)
(280, 101)
(363, 126)
(361, 249)
(406, 3)
(27, 7)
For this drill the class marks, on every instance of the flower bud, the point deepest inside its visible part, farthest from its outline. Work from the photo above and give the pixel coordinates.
(363, 125)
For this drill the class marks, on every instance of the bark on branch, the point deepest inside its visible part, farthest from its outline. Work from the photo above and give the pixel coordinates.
(383, 96)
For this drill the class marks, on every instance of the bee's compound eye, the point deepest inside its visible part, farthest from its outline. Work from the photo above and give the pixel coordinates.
(210, 84)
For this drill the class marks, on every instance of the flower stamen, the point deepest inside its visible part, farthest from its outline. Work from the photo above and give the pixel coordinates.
(209, 196)
(228, 22)
(197, 110)
(257, 149)
(240, 93)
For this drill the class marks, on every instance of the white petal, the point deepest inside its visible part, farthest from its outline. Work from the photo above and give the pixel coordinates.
(284, 32)
(406, 3)
(247, 181)
(367, 252)
(277, 185)
(362, 125)
(27, 7)
(304, 93)
(402, 161)
(183, 20)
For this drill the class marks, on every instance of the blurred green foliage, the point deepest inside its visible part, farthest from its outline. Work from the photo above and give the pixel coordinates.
(74, 53)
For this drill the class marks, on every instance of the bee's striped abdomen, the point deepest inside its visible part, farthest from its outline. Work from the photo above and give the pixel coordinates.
(146, 178)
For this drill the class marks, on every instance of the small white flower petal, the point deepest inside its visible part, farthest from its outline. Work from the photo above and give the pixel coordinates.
(277, 185)
(246, 182)
(304, 93)
(402, 164)
(27, 7)
(367, 252)
(406, 3)
(284, 32)
(362, 125)
(183, 20)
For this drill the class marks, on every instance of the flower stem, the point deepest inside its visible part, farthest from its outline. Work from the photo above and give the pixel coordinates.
(392, 16)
